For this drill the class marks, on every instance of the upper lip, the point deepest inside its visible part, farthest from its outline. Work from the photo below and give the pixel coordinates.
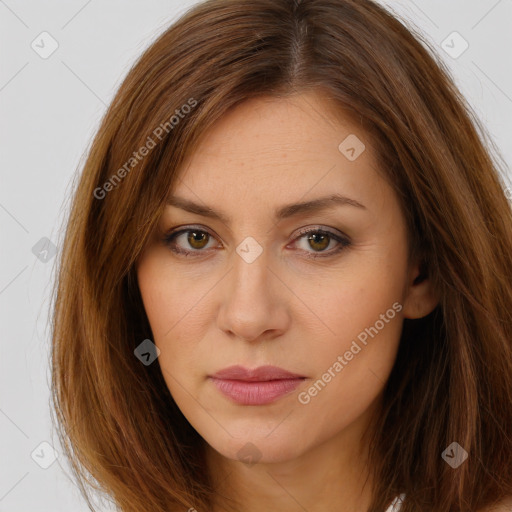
(262, 373)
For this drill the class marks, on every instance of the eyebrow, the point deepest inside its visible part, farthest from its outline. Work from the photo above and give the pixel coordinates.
(284, 212)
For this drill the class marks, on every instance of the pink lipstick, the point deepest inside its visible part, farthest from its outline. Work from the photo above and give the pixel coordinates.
(259, 386)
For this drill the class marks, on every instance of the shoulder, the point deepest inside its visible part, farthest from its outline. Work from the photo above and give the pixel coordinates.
(503, 506)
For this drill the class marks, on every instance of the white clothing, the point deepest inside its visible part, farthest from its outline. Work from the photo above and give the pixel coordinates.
(396, 505)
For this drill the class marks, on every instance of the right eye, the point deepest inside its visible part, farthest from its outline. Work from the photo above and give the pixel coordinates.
(195, 238)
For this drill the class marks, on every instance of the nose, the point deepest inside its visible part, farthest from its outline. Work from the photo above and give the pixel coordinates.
(253, 303)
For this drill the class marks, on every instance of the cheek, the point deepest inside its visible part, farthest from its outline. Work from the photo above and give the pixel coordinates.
(352, 366)
(365, 289)
(168, 299)
(354, 357)
(174, 306)
(364, 333)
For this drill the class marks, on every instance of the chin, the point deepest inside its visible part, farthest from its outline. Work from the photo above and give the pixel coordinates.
(258, 448)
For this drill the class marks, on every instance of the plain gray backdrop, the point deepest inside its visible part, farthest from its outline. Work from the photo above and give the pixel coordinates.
(51, 105)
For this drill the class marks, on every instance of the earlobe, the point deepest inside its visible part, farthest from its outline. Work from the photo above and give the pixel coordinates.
(421, 298)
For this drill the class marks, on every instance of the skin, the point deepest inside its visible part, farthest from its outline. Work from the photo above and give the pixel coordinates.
(213, 309)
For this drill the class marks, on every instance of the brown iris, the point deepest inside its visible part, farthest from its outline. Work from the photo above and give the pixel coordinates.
(320, 240)
(197, 239)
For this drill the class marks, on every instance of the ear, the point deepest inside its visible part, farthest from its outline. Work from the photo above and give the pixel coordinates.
(420, 297)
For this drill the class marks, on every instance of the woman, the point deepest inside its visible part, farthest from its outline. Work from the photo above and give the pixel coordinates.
(285, 282)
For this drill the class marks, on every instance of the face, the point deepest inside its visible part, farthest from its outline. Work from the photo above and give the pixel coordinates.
(319, 291)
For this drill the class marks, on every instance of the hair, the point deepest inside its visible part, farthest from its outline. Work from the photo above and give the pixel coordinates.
(452, 379)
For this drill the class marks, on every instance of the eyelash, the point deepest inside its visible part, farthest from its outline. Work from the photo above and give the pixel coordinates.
(343, 241)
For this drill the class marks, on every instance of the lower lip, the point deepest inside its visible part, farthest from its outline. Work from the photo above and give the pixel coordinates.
(255, 393)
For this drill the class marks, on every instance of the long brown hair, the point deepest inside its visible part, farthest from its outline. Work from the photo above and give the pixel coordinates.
(452, 380)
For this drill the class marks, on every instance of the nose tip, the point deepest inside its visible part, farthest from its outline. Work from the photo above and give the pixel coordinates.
(252, 306)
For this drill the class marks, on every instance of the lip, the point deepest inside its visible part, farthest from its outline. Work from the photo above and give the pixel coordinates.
(258, 386)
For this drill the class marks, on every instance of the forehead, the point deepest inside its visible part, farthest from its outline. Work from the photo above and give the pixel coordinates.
(281, 150)
(305, 124)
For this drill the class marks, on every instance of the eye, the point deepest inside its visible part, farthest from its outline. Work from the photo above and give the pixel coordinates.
(319, 239)
(198, 239)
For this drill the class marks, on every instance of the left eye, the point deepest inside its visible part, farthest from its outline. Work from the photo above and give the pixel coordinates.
(317, 239)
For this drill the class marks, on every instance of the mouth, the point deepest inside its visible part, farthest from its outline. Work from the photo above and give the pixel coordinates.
(259, 386)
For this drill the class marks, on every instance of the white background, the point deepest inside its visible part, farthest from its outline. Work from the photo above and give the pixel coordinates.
(50, 109)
